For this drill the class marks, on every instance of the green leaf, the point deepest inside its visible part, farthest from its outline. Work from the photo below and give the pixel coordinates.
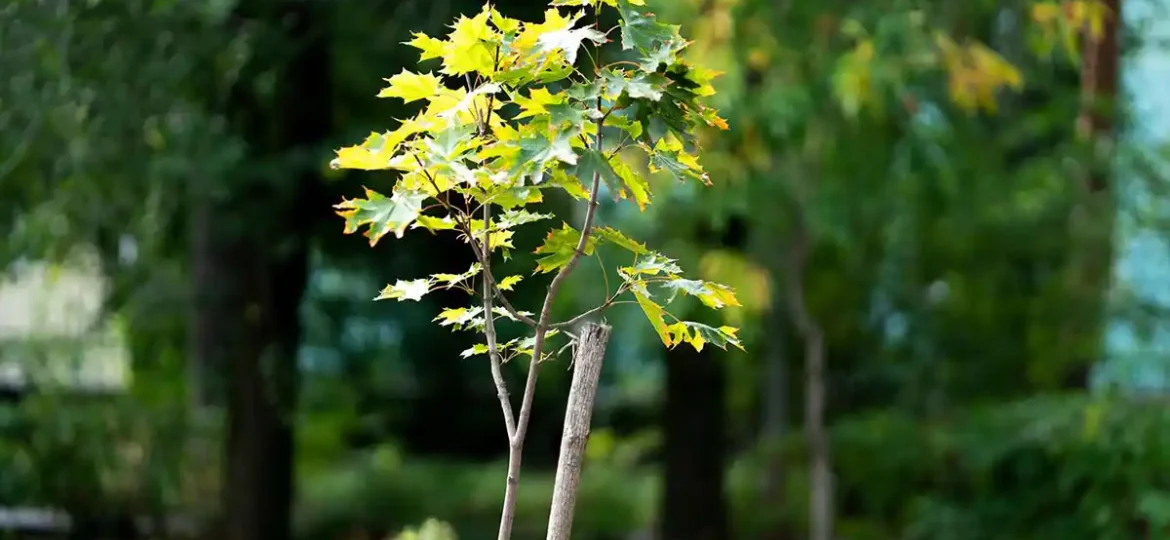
(615, 237)
(653, 264)
(537, 150)
(641, 31)
(590, 162)
(558, 248)
(401, 290)
(637, 85)
(698, 335)
(382, 215)
(515, 217)
(713, 295)
(668, 155)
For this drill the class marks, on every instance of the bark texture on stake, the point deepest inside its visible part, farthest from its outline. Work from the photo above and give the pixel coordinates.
(587, 359)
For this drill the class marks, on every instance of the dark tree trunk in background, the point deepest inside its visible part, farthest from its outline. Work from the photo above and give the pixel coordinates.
(694, 507)
(1093, 218)
(251, 240)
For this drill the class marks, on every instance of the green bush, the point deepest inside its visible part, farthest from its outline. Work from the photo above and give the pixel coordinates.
(1053, 468)
(383, 491)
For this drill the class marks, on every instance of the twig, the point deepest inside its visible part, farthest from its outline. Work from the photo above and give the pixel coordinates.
(604, 306)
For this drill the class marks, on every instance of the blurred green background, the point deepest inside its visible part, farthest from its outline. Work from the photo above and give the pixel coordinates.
(186, 337)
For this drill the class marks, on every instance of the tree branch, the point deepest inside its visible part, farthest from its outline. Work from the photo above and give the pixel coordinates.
(543, 324)
(490, 328)
(604, 306)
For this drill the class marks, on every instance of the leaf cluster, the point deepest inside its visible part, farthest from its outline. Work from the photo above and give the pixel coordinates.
(509, 114)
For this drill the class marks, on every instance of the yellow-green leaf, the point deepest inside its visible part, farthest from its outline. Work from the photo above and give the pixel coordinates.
(460, 318)
(470, 51)
(654, 312)
(450, 280)
(382, 215)
(402, 289)
(536, 102)
(435, 224)
(713, 295)
(430, 47)
(479, 348)
(411, 86)
(507, 283)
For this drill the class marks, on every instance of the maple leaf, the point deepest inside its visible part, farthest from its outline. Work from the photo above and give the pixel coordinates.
(509, 282)
(568, 41)
(461, 318)
(477, 349)
(375, 153)
(529, 38)
(402, 289)
(430, 47)
(713, 295)
(411, 86)
(435, 224)
(640, 30)
(615, 237)
(654, 312)
(504, 24)
(618, 176)
(636, 187)
(636, 85)
(451, 280)
(382, 214)
(515, 217)
(536, 102)
(558, 248)
(698, 335)
(470, 51)
(670, 156)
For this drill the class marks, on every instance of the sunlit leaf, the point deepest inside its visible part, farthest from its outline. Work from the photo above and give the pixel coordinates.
(381, 214)
(401, 290)
(507, 283)
(411, 86)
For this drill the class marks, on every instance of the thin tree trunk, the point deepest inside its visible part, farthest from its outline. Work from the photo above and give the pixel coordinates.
(774, 384)
(694, 505)
(587, 360)
(820, 464)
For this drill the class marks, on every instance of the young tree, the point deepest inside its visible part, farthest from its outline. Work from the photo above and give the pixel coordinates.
(522, 119)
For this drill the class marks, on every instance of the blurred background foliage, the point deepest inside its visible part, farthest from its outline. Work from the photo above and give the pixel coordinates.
(184, 330)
